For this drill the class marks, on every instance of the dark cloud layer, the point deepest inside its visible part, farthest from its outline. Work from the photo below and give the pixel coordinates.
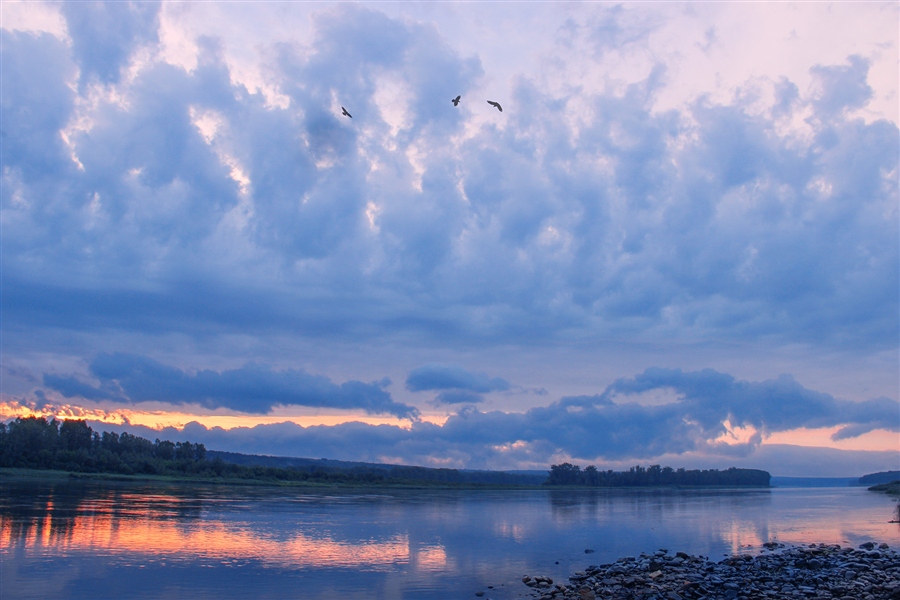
(458, 397)
(714, 222)
(452, 377)
(707, 398)
(614, 426)
(253, 388)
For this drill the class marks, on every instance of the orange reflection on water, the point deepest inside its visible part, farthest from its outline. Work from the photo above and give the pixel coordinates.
(812, 526)
(505, 529)
(866, 523)
(150, 529)
(742, 535)
(430, 558)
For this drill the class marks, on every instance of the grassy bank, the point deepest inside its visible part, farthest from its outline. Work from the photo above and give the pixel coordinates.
(892, 488)
(9, 475)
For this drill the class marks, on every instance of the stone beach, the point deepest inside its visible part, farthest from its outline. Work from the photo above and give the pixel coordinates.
(870, 572)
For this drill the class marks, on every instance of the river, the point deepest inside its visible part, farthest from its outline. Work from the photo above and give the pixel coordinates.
(126, 540)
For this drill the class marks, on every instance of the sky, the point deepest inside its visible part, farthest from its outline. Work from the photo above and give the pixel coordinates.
(677, 243)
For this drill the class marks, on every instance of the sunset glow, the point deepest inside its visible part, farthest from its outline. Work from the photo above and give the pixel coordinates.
(267, 228)
(142, 535)
(405, 300)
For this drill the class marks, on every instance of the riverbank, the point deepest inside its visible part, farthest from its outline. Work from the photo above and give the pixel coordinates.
(8, 474)
(55, 475)
(870, 572)
(892, 488)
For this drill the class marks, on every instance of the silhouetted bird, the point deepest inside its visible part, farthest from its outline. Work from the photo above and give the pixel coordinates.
(455, 101)
(497, 104)
(344, 110)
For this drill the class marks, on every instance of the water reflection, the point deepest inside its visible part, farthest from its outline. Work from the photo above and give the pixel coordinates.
(208, 541)
(78, 516)
(652, 504)
(73, 519)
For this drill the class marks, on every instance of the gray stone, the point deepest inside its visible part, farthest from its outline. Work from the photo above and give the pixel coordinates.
(818, 571)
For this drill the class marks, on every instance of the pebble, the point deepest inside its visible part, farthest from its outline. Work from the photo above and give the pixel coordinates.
(815, 572)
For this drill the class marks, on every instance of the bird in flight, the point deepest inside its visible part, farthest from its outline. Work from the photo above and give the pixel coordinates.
(496, 104)
(455, 101)
(344, 111)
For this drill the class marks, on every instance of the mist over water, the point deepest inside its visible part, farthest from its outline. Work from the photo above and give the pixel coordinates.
(78, 539)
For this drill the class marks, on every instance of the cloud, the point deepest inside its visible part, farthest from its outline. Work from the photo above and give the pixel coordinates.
(708, 398)
(842, 87)
(199, 206)
(227, 202)
(615, 427)
(436, 376)
(458, 397)
(37, 105)
(106, 34)
(253, 388)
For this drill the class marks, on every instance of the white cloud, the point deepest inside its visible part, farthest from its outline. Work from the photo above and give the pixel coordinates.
(659, 179)
(34, 17)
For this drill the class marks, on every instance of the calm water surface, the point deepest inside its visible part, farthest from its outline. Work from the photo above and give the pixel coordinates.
(86, 540)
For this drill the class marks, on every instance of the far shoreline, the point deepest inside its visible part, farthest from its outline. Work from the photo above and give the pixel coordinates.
(13, 474)
(57, 476)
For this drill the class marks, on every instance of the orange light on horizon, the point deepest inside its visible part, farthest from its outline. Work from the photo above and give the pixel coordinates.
(735, 434)
(158, 419)
(13, 409)
(877, 440)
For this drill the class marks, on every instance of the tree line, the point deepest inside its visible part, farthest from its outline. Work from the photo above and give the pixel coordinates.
(655, 475)
(72, 445)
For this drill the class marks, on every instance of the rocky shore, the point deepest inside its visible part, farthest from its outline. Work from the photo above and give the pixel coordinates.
(816, 571)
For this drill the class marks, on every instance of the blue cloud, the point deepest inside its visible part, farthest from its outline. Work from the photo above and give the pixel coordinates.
(437, 376)
(842, 87)
(608, 427)
(458, 397)
(709, 397)
(37, 105)
(417, 221)
(253, 388)
(105, 34)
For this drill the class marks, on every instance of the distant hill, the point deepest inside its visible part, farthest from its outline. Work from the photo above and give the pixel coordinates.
(813, 482)
(282, 462)
(876, 478)
(390, 470)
